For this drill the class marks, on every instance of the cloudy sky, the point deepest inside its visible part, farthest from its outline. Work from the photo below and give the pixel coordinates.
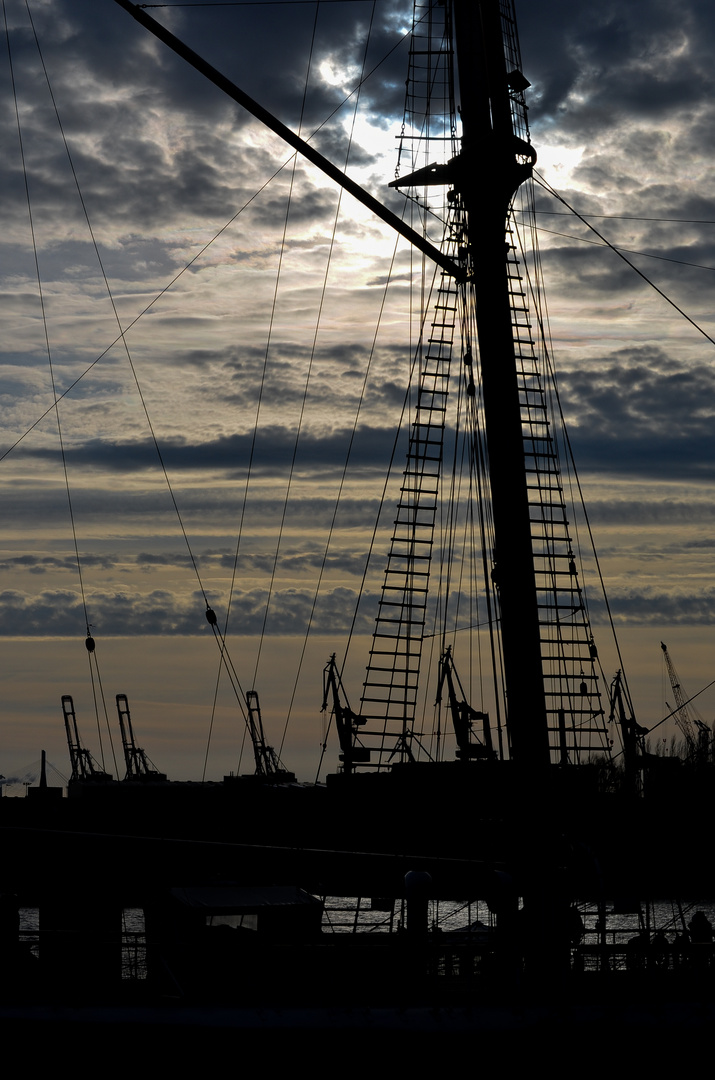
(198, 213)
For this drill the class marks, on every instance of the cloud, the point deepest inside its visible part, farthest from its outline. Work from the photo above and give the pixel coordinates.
(164, 612)
(60, 613)
(274, 451)
(597, 65)
(36, 564)
(650, 607)
(644, 512)
(164, 162)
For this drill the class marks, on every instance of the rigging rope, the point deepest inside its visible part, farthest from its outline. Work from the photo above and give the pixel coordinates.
(312, 354)
(552, 191)
(632, 217)
(207, 245)
(269, 338)
(123, 330)
(54, 386)
(617, 247)
(338, 497)
(122, 336)
(542, 316)
(162, 292)
(567, 462)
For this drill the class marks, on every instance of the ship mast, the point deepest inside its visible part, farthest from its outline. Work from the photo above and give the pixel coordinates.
(547, 656)
(493, 162)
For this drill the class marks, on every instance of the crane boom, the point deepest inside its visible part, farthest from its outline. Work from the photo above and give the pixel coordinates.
(84, 767)
(346, 721)
(139, 767)
(267, 760)
(694, 730)
(463, 715)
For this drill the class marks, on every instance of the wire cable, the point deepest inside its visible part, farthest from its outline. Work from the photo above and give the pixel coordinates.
(547, 187)
(55, 396)
(207, 245)
(312, 358)
(630, 251)
(269, 339)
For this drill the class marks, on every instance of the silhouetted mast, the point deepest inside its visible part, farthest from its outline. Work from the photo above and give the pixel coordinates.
(493, 162)
(492, 165)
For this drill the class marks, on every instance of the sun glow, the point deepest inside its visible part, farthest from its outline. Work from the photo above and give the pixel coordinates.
(558, 163)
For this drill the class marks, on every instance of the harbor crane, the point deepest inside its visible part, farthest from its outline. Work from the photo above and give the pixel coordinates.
(267, 761)
(139, 767)
(347, 722)
(633, 734)
(693, 728)
(464, 717)
(84, 767)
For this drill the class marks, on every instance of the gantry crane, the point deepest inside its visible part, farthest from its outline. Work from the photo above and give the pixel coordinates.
(139, 767)
(694, 729)
(84, 767)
